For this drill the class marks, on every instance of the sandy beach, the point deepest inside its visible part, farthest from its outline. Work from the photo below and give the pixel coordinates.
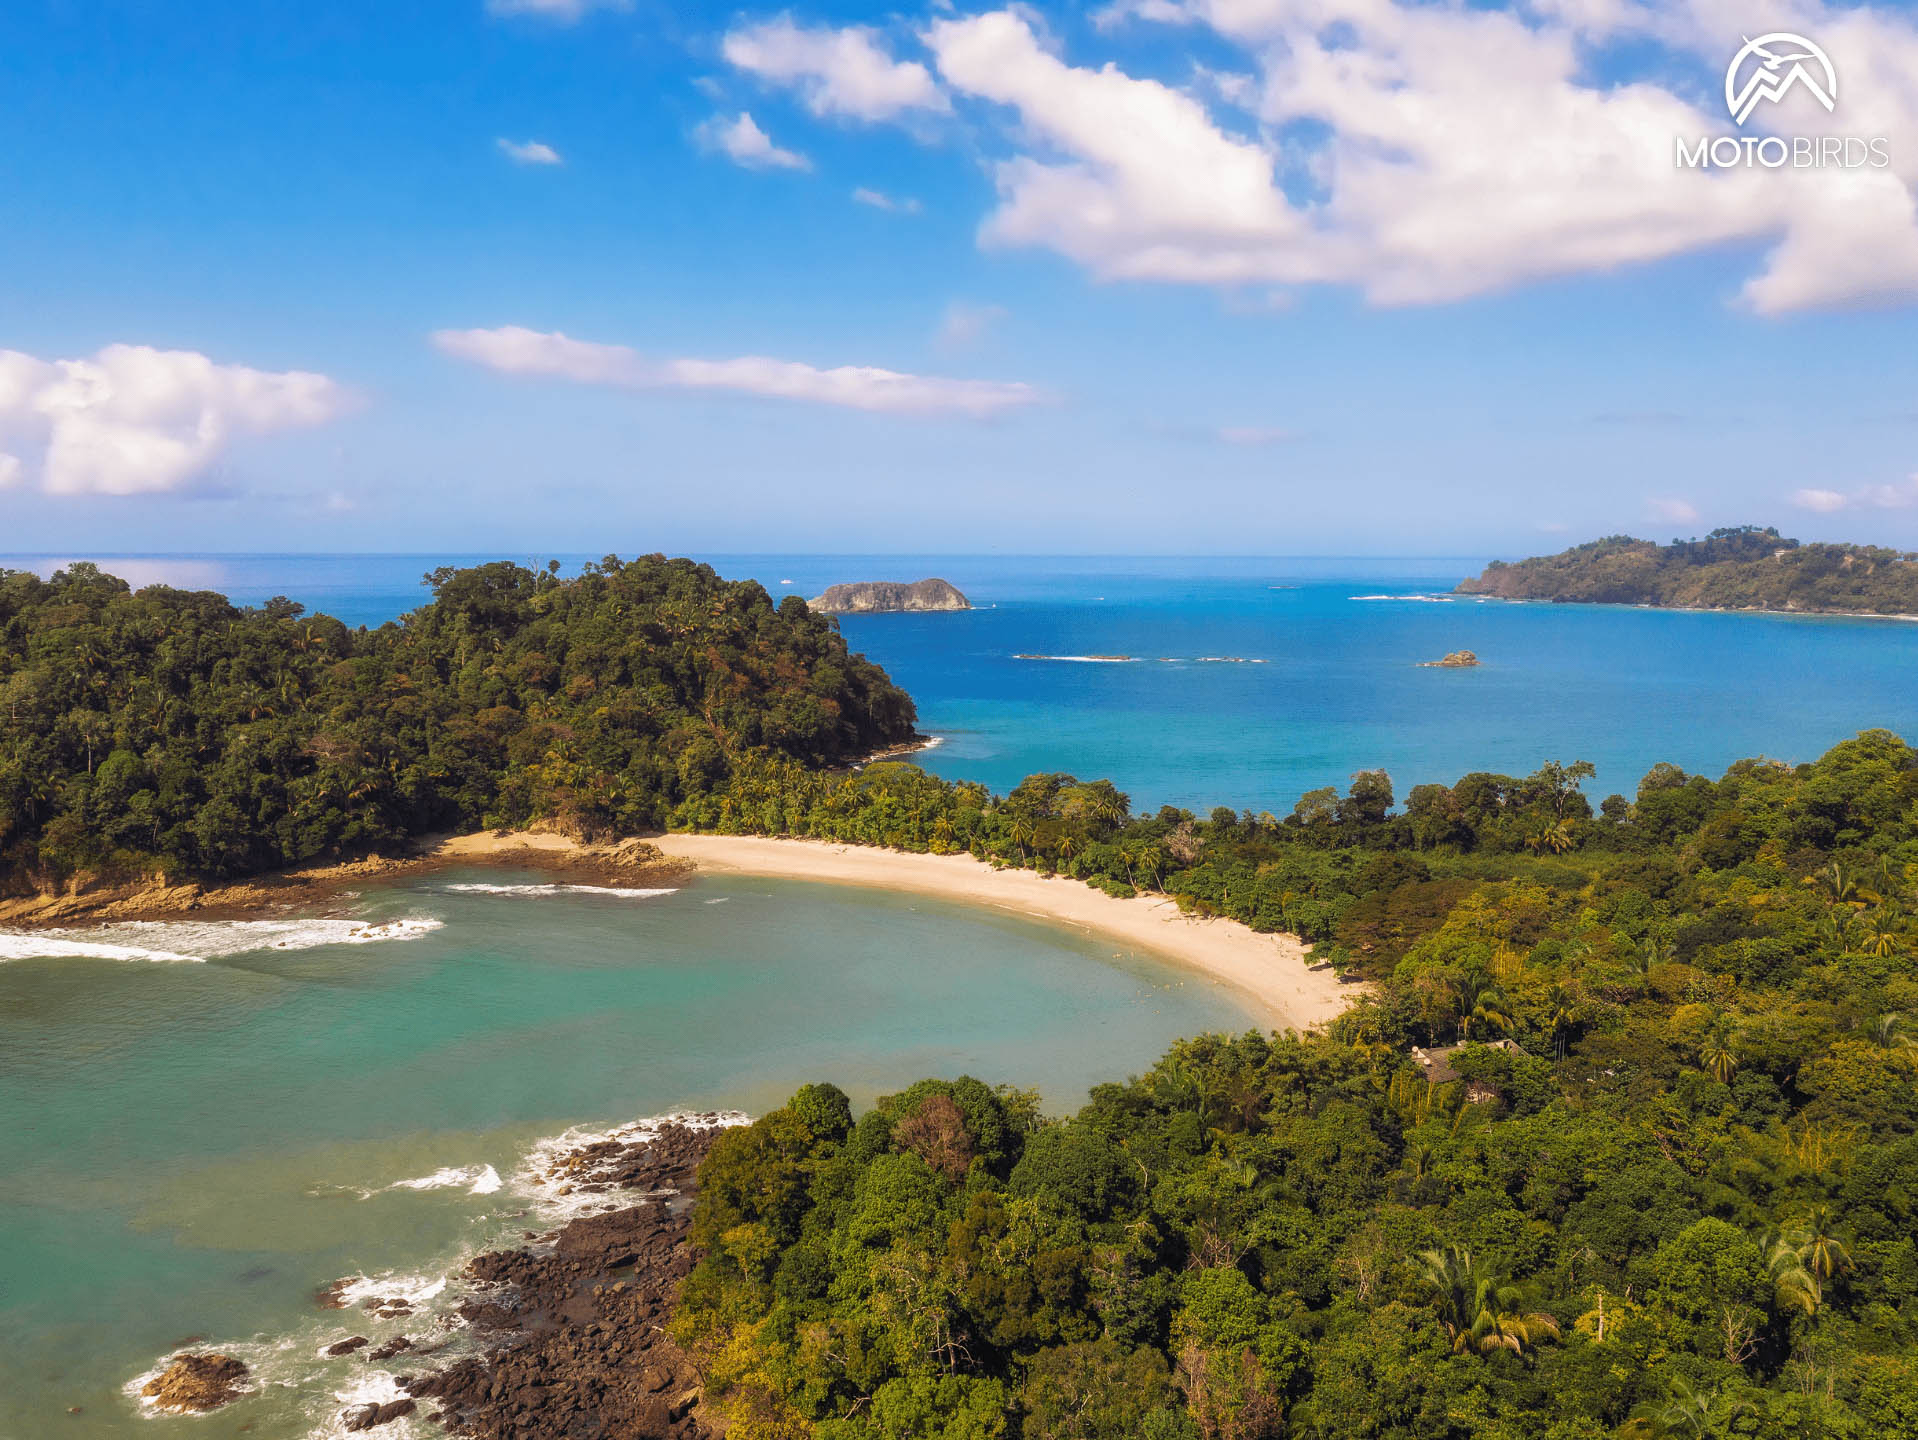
(1272, 973)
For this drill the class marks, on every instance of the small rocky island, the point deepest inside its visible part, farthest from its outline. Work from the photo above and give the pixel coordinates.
(881, 597)
(1457, 660)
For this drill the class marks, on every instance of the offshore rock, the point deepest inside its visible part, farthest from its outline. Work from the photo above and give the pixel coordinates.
(878, 597)
(196, 1383)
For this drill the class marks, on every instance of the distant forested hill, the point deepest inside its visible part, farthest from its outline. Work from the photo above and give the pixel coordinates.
(1742, 568)
(170, 729)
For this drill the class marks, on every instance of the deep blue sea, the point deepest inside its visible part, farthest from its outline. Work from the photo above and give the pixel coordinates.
(1337, 686)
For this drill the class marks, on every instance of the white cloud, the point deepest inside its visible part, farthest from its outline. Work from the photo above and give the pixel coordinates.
(879, 200)
(748, 145)
(563, 12)
(529, 152)
(132, 420)
(11, 469)
(1872, 497)
(1677, 512)
(1425, 153)
(515, 350)
(964, 323)
(836, 72)
(1251, 435)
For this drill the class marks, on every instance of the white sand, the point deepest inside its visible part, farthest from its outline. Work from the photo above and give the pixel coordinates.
(1272, 973)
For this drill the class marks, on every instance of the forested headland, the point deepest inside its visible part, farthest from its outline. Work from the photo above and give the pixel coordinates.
(169, 730)
(1737, 568)
(1667, 1185)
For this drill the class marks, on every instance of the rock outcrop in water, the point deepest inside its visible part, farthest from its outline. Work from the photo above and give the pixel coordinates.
(1457, 660)
(582, 1346)
(196, 1383)
(878, 597)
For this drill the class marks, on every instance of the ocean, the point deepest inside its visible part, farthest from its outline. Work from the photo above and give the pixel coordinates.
(202, 1123)
(1255, 680)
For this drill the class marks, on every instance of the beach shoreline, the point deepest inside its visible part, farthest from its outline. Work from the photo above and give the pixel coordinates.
(1273, 974)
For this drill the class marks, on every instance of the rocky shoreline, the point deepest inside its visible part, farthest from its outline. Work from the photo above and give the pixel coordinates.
(578, 1318)
(625, 863)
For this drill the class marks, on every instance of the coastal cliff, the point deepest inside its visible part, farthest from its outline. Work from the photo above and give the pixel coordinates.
(1738, 568)
(878, 597)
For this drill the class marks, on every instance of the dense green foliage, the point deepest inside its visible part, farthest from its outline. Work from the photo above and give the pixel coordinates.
(1742, 568)
(169, 729)
(1683, 1203)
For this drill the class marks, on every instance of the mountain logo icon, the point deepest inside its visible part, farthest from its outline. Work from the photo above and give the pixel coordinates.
(1767, 68)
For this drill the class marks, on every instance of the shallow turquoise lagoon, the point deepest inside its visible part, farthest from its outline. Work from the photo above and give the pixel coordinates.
(192, 1148)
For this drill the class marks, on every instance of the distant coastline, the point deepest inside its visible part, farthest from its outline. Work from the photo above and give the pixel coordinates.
(1778, 614)
(1739, 569)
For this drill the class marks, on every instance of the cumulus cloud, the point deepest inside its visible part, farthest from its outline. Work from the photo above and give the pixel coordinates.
(132, 420)
(514, 350)
(10, 471)
(879, 200)
(529, 152)
(1871, 497)
(1425, 153)
(563, 12)
(746, 144)
(1677, 512)
(836, 72)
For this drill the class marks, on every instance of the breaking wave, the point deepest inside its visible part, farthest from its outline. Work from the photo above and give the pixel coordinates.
(192, 941)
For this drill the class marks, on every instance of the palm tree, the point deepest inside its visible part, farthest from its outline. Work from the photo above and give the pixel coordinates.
(1793, 1284)
(1693, 1412)
(1644, 956)
(1823, 1252)
(1884, 938)
(1478, 1309)
(1888, 1032)
(1717, 1055)
(1841, 886)
(1566, 1012)
(1550, 836)
(1020, 833)
(1482, 1005)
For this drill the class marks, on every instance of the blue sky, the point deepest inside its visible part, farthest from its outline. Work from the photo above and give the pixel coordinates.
(1226, 276)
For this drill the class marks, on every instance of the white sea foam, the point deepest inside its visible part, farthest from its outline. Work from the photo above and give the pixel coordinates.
(474, 1179)
(1085, 659)
(33, 945)
(479, 888)
(415, 1289)
(1424, 599)
(374, 1387)
(546, 1177)
(196, 940)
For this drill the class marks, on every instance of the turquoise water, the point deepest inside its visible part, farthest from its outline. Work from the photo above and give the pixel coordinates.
(1341, 688)
(192, 1148)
